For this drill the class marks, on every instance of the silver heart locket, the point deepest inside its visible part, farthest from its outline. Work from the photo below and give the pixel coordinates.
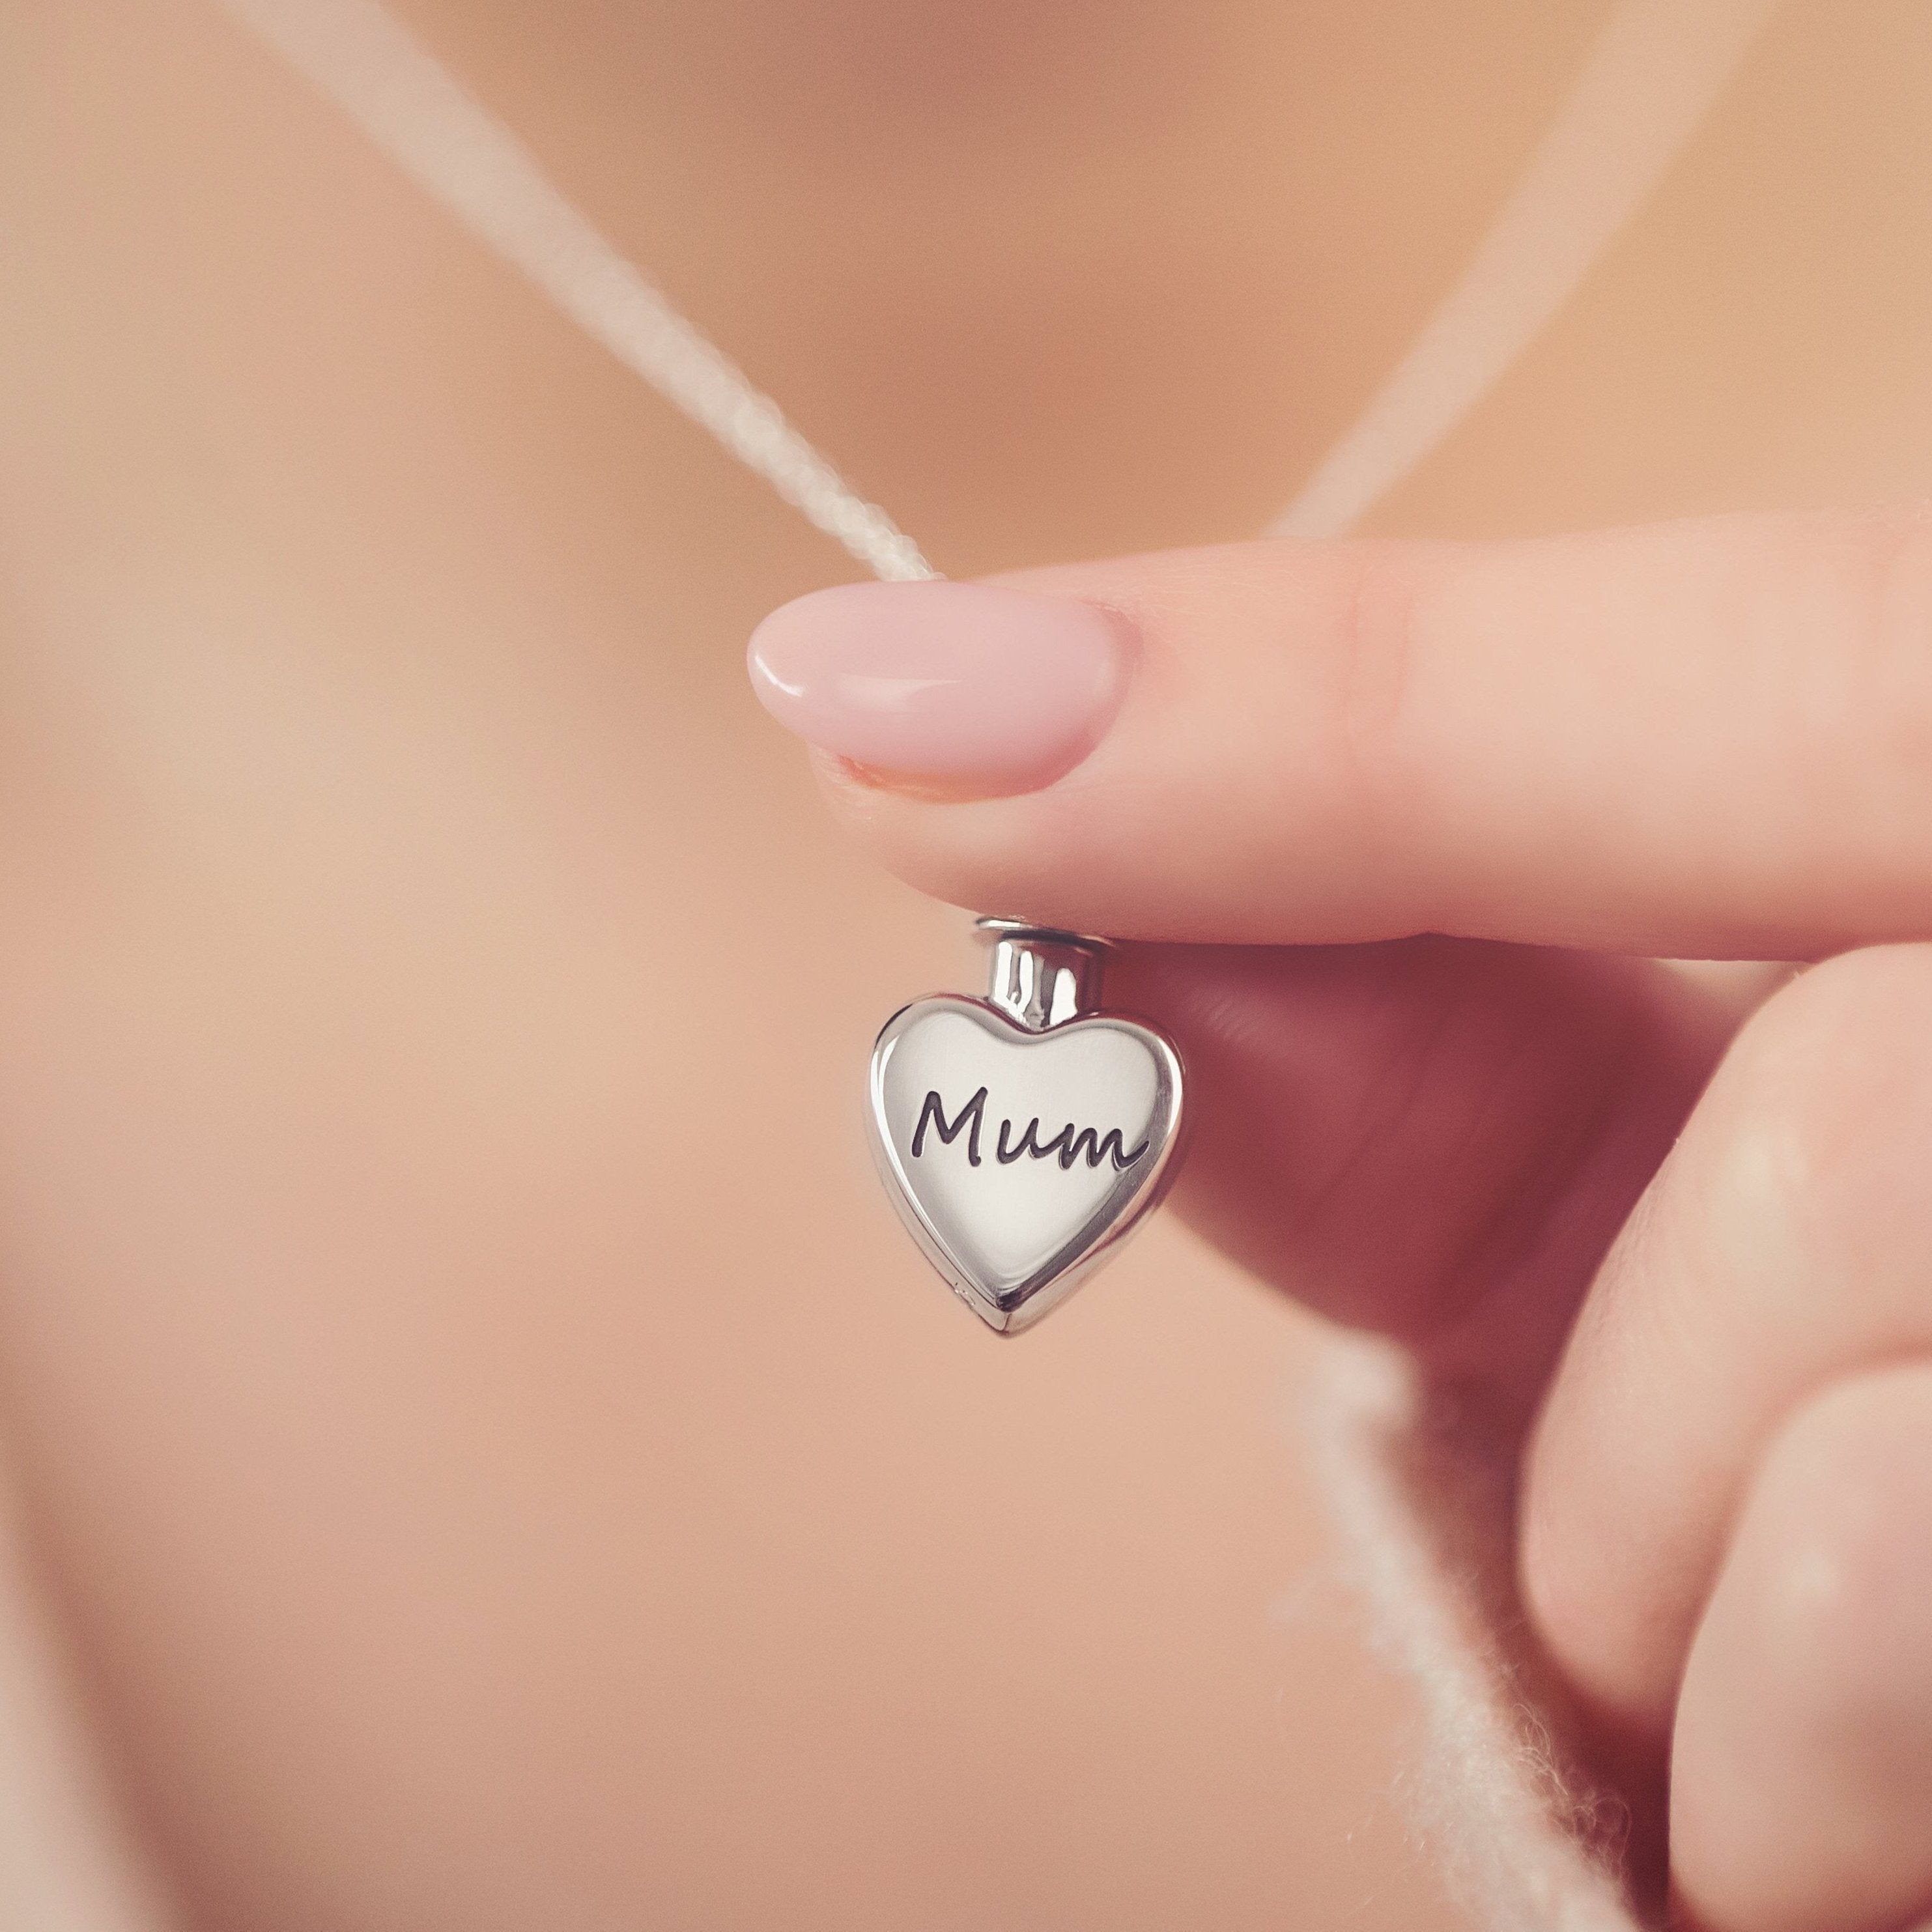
(1023, 1136)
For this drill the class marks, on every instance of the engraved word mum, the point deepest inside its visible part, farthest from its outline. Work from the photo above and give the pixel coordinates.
(1069, 1144)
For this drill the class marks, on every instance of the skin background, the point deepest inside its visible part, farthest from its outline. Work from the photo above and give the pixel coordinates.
(495, 1460)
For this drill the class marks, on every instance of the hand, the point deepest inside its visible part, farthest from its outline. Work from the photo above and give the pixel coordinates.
(1677, 1250)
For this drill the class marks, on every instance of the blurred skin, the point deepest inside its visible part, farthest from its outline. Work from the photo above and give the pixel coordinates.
(486, 1484)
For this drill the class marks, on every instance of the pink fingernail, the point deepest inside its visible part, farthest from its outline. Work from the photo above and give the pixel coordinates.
(968, 683)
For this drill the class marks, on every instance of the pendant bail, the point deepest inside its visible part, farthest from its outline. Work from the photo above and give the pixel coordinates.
(1039, 976)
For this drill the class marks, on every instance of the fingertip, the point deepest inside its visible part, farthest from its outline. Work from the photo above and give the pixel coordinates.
(941, 690)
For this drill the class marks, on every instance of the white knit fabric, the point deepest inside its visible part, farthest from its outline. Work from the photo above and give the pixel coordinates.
(1522, 1843)
(1527, 1845)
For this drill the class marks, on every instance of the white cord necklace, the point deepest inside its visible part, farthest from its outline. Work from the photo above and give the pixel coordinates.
(1652, 77)
(1012, 1222)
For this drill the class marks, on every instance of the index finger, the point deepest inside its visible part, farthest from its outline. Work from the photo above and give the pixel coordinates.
(1709, 738)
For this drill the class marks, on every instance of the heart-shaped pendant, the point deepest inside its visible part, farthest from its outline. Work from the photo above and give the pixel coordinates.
(1021, 1137)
